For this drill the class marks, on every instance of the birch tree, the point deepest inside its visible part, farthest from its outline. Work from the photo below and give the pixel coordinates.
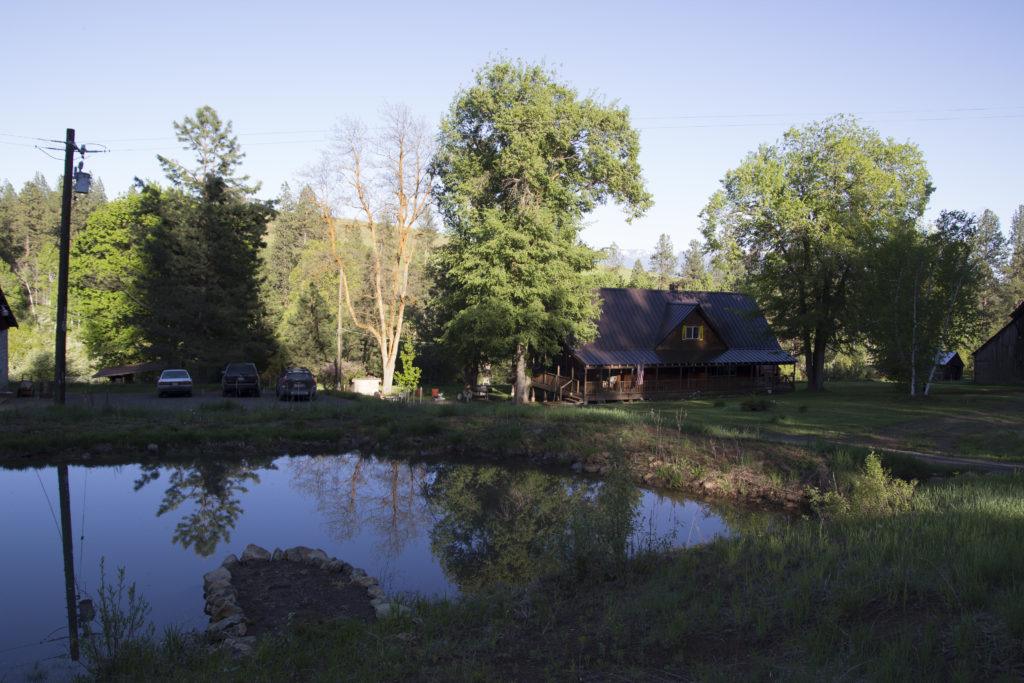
(926, 286)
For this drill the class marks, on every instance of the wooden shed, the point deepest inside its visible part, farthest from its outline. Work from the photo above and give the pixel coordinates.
(949, 367)
(1000, 360)
(125, 374)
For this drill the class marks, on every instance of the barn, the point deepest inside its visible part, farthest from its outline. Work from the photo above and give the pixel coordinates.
(1000, 360)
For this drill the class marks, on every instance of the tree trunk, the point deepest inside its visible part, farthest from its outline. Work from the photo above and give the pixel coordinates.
(4, 377)
(816, 378)
(341, 330)
(522, 384)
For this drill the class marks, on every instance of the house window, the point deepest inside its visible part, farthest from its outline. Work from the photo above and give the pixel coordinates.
(693, 332)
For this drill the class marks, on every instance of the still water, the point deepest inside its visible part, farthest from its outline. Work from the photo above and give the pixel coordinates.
(433, 530)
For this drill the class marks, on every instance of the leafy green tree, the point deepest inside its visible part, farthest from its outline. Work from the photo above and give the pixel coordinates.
(408, 376)
(217, 154)
(106, 259)
(728, 268)
(613, 256)
(521, 161)
(694, 273)
(923, 289)
(640, 278)
(1013, 282)
(807, 211)
(663, 261)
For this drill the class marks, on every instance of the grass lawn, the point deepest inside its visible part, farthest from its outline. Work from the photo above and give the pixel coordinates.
(982, 421)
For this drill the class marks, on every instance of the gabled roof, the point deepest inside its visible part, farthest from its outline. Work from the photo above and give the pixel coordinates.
(122, 370)
(634, 321)
(945, 357)
(1017, 312)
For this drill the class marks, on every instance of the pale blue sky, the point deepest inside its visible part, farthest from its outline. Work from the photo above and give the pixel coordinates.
(706, 82)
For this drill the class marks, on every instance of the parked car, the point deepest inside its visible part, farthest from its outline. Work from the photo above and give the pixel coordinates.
(173, 382)
(240, 379)
(296, 383)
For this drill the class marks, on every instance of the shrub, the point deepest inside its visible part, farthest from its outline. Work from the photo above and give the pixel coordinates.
(123, 629)
(870, 490)
(756, 404)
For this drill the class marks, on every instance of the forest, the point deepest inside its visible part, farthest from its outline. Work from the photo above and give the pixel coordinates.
(433, 255)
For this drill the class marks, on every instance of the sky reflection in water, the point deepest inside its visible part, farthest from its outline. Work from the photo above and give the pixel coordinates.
(418, 528)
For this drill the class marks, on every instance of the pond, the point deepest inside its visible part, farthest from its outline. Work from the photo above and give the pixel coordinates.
(428, 529)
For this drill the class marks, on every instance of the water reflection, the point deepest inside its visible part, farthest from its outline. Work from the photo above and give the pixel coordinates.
(431, 530)
(213, 487)
(356, 493)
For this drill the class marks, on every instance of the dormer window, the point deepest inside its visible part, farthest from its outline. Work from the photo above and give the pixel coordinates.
(693, 332)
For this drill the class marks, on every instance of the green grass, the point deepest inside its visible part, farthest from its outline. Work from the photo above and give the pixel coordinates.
(845, 411)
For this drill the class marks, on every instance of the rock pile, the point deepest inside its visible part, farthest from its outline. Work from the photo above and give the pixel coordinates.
(229, 626)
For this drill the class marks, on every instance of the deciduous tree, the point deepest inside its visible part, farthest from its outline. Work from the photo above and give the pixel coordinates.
(922, 294)
(384, 180)
(521, 160)
(806, 211)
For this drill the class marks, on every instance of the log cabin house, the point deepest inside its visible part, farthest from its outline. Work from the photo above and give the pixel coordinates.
(669, 344)
(1000, 360)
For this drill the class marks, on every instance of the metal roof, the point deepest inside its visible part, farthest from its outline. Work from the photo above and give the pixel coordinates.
(122, 370)
(634, 321)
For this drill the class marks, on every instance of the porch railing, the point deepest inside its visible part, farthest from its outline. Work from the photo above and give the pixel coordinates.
(573, 389)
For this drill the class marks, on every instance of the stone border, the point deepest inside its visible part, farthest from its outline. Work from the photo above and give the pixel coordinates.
(228, 624)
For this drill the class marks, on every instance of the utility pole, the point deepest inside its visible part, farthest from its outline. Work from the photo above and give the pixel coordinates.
(60, 351)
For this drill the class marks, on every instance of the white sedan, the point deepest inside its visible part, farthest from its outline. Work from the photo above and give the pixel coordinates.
(174, 382)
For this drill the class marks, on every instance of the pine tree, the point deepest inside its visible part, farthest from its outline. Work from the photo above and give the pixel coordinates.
(694, 273)
(663, 261)
(1013, 284)
(217, 154)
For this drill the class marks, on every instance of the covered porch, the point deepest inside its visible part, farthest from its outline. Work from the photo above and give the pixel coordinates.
(595, 384)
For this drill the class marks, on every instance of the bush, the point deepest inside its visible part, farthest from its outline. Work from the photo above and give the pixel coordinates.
(123, 629)
(870, 490)
(756, 404)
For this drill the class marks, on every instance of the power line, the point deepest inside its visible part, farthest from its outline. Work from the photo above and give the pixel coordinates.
(716, 120)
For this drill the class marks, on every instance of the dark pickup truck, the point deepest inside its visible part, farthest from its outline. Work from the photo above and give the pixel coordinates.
(240, 379)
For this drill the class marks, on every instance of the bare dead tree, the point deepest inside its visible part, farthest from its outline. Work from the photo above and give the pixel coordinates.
(377, 182)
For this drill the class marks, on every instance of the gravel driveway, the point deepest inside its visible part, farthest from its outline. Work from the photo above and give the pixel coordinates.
(149, 400)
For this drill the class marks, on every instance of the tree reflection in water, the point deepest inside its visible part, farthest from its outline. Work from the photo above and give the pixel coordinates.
(213, 487)
(354, 493)
(500, 526)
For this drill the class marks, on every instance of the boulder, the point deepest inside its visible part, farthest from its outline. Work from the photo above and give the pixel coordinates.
(254, 553)
(219, 577)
